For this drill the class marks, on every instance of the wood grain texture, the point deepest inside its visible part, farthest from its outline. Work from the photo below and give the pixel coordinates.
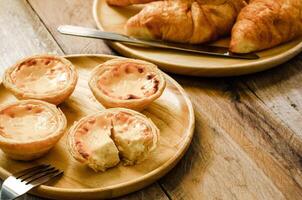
(246, 144)
(242, 150)
(113, 19)
(281, 92)
(70, 12)
(23, 34)
(150, 193)
(172, 113)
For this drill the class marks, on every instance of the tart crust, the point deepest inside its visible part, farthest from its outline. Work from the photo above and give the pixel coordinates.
(129, 134)
(44, 77)
(127, 83)
(89, 142)
(134, 134)
(30, 128)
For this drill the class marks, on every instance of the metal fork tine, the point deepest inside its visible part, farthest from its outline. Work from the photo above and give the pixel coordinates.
(20, 183)
(41, 175)
(36, 172)
(24, 172)
(46, 177)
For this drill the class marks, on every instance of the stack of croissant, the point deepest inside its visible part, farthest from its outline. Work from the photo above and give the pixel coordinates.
(253, 24)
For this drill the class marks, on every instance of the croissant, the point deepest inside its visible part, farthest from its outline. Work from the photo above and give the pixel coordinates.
(127, 2)
(185, 21)
(266, 23)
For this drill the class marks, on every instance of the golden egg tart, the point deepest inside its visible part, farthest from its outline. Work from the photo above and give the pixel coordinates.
(30, 128)
(127, 83)
(44, 77)
(134, 134)
(99, 140)
(89, 142)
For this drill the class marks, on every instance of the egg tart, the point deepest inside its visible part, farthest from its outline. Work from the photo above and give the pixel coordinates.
(89, 142)
(99, 140)
(134, 134)
(30, 128)
(127, 83)
(43, 77)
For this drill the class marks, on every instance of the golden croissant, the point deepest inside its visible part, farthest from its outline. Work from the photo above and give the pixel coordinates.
(266, 23)
(185, 21)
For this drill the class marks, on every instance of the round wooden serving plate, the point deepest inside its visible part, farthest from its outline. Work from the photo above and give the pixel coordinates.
(172, 113)
(113, 19)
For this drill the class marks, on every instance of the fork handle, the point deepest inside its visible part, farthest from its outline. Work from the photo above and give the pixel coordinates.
(8, 195)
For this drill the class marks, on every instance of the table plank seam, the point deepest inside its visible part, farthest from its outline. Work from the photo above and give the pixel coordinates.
(164, 190)
(44, 25)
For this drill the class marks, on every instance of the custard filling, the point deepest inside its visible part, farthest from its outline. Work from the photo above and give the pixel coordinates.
(92, 134)
(130, 134)
(41, 75)
(128, 81)
(26, 122)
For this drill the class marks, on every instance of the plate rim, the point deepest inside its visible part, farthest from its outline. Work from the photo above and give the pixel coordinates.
(250, 68)
(43, 190)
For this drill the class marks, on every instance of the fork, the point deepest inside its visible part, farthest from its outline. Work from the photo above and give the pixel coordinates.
(21, 182)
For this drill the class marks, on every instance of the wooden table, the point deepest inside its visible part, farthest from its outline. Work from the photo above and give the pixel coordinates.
(248, 137)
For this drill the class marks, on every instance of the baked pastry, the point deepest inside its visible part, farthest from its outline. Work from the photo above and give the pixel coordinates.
(89, 142)
(266, 23)
(43, 77)
(30, 128)
(185, 21)
(99, 139)
(127, 83)
(134, 135)
(127, 2)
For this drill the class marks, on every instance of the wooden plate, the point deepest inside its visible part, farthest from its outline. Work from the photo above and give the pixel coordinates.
(172, 113)
(113, 19)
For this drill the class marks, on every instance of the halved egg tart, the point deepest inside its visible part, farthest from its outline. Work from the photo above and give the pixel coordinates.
(127, 83)
(134, 134)
(99, 140)
(30, 128)
(44, 77)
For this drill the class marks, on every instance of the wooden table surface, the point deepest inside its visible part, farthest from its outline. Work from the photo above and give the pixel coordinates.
(248, 136)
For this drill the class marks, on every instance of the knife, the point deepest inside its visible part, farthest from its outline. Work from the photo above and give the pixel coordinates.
(202, 49)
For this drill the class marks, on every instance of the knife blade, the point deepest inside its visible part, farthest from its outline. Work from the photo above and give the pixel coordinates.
(202, 49)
